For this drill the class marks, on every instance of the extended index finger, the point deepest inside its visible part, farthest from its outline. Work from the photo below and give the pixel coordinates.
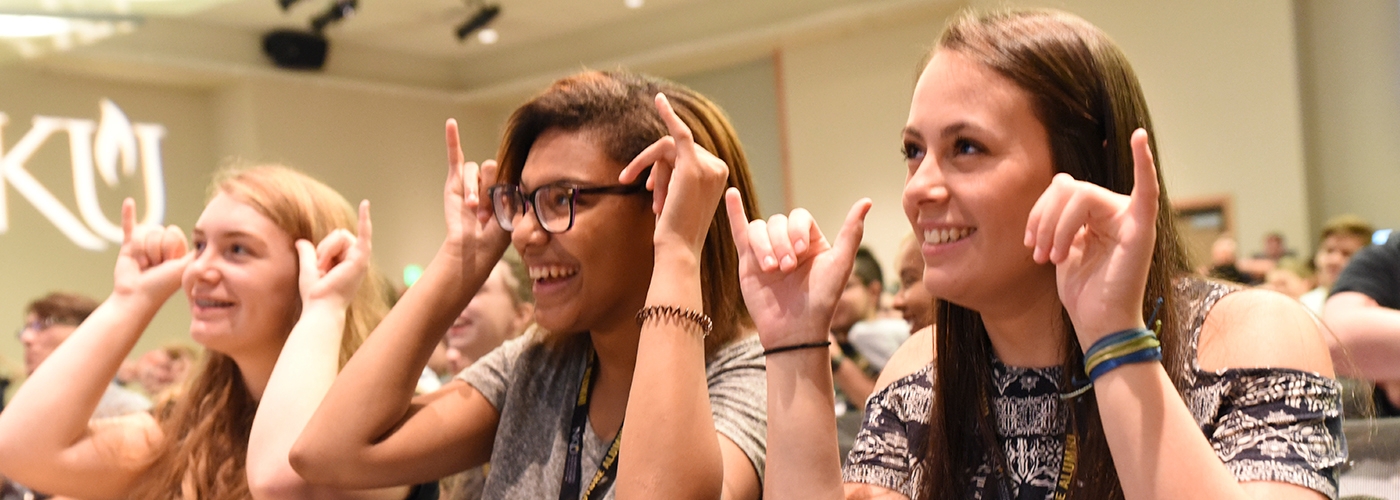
(454, 145)
(128, 219)
(1145, 188)
(738, 219)
(366, 227)
(674, 125)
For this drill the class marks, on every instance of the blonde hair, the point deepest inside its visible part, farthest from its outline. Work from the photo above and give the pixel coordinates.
(206, 430)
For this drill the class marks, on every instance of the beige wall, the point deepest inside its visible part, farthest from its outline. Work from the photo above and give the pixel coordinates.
(1220, 78)
(1349, 53)
(371, 142)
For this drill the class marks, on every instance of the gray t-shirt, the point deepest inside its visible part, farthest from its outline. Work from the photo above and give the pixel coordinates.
(533, 385)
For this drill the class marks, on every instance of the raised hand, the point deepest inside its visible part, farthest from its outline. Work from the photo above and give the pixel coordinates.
(471, 228)
(1101, 243)
(686, 181)
(790, 275)
(331, 271)
(151, 259)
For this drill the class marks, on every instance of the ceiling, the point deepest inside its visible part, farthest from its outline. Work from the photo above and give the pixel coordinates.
(411, 43)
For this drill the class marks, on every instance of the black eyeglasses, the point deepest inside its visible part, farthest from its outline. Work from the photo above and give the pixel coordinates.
(554, 203)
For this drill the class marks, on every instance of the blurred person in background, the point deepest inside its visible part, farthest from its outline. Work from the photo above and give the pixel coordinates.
(912, 299)
(1342, 237)
(1290, 277)
(1363, 313)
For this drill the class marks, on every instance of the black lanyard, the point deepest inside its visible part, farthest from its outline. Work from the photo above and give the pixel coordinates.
(607, 469)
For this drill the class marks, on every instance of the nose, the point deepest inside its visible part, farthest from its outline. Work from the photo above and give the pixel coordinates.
(204, 268)
(527, 230)
(926, 183)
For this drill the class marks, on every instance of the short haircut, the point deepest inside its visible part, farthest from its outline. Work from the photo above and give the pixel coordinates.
(867, 268)
(62, 307)
(1349, 225)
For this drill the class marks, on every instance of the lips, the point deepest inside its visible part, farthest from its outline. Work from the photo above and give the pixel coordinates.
(942, 236)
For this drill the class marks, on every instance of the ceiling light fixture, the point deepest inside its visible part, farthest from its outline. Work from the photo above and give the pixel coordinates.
(286, 4)
(32, 26)
(485, 13)
(338, 11)
(631, 4)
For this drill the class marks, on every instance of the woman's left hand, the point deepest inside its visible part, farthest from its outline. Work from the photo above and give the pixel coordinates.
(686, 181)
(1101, 243)
(331, 271)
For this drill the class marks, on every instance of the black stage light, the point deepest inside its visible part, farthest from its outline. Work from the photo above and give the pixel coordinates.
(295, 49)
(339, 10)
(286, 4)
(480, 19)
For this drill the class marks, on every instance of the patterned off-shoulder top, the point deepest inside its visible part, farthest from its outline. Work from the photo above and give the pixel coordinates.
(1264, 424)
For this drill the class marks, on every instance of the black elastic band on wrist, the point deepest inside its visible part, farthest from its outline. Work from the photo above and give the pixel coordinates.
(775, 350)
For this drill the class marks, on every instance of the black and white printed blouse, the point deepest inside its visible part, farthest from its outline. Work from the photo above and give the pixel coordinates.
(1264, 424)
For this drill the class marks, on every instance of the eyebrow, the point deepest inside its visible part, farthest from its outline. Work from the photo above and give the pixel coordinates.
(229, 234)
(951, 129)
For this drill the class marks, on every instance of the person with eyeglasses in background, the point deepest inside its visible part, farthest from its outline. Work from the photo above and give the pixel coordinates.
(48, 321)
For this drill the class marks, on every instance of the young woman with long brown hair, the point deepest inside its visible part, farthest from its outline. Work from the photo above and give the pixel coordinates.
(277, 316)
(1048, 238)
(642, 377)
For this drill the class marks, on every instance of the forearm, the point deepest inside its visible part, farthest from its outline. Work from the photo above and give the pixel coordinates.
(1365, 341)
(1155, 441)
(303, 374)
(668, 408)
(377, 384)
(50, 411)
(803, 459)
(854, 382)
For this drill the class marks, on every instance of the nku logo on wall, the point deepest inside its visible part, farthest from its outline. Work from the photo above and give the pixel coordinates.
(97, 149)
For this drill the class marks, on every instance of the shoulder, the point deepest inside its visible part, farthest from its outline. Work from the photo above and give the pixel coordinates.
(1257, 328)
(912, 356)
(134, 437)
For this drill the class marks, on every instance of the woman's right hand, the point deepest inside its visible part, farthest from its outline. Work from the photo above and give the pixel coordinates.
(472, 231)
(790, 275)
(151, 259)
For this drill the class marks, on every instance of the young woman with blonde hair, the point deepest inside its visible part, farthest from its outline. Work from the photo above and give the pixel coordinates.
(277, 316)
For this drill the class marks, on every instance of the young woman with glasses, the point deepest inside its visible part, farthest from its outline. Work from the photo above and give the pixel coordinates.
(641, 378)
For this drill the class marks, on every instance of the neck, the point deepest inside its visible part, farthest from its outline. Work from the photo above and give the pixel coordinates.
(1028, 330)
(617, 353)
(256, 369)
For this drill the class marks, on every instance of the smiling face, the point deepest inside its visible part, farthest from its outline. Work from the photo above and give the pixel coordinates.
(492, 317)
(595, 275)
(1334, 254)
(242, 284)
(912, 299)
(978, 160)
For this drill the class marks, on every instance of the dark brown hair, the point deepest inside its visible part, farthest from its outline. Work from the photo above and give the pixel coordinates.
(62, 308)
(618, 109)
(1084, 92)
(206, 429)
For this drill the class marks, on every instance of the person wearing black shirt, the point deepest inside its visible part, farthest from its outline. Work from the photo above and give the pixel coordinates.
(1363, 312)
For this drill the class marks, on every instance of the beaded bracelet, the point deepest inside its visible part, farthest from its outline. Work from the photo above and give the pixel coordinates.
(700, 320)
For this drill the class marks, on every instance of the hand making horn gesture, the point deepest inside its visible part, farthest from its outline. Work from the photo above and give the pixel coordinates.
(1101, 243)
(471, 228)
(686, 181)
(151, 259)
(790, 275)
(332, 270)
